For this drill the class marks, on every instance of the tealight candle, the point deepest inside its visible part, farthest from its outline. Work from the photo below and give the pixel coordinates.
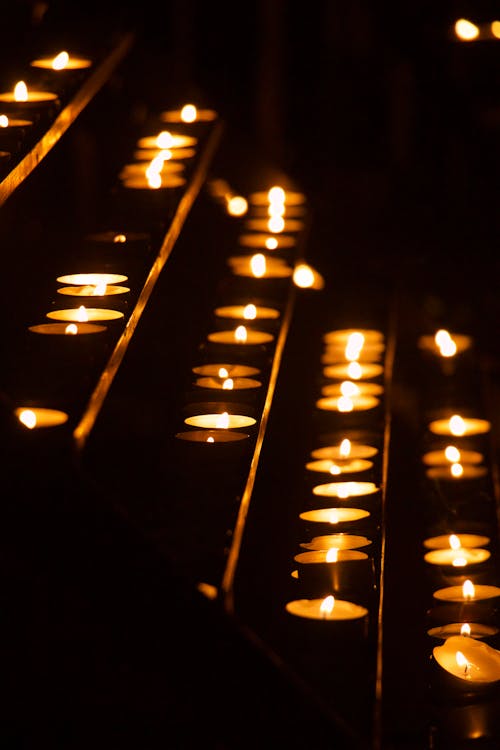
(225, 370)
(67, 329)
(211, 436)
(471, 630)
(343, 335)
(259, 266)
(275, 224)
(462, 540)
(353, 370)
(326, 556)
(346, 450)
(92, 279)
(220, 421)
(460, 557)
(227, 384)
(167, 140)
(35, 417)
(155, 181)
(13, 130)
(349, 388)
(334, 515)
(84, 314)
(345, 490)
(459, 426)
(247, 312)
(340, 541)
(188, 114)
(327, 466)
(326, 609)
(451, 454)
(468, 592)
(148, 154)
(456, 471)
(445, 344)
(347, 403)
(468, 659)
(91, 290)
(267, 241)
(22, 98)
(61, 62)
(241, 336)
(140, 169)
(277, 194)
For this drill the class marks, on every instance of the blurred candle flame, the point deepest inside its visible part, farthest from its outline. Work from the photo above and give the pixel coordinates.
(327, 605)
(189, 113)
(21, 92)
(456, 470)
(164, 139)
(465, 629)
(82, 315)
(71, 329)
(258, 265)
(60, 61)
(271, 243)
(332, 554)
(250, 312)
(466, 30)
(452, 454)
(228, 384)
(222, 421)
(457, 425)
(223, 373)
(4, 121)
(28, 418)
(468, 589)
(345, 448)
(241, 334)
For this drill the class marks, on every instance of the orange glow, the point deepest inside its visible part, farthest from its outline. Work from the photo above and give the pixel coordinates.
(276, 194)
(164, 139)
(335, 470)
(100, 289)
(465, 629)
(237, 205)
(466, 30)
(241, 334)
(210, 439)
(119, 238)
(468, 589)
(345, 404)
(345, 448)
(258, 265)
(189, 113)
(332, 554)
(327, 605)
(457, 425)
(305, 277)
(276, 224)
(4, 121)
(228, 384)
(349, 389)
(60, 61)
(250, 312)
(21, 92)
(271, 243)
(456, 470)
(27, 417)
(82, 315)
(459, 562)
(223, 373)
(71, 329)
(445, 343)
(222, 422)
(454, 541)
(452, 454)
(333, 516)
(495, 29)
(354, 370)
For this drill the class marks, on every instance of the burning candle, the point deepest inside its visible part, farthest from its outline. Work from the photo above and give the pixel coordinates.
(93, 290)
(467, 592)
(95, 280)
(327, 466)
(345, 490)
(241, 336)
(471, 630)
(451, 454)
(157, 164)
(259, 266)
(212, 436)
(84, 314)
(327, 609)
(187, 114)
(331, 556)
(343, 335)
(334, 516)
(455, 471)
(277, 195)
(340, 541)
(463, 540)
(225, 370)
(67, 329)
(275, 224)
(468, 659)
(220, 421)
(267, 241)
(353, 370)
(61, 62)
(445, 344)
(153, 180)
(459, 426)
(347, 403)
(165, 140)
(459, 557)
(13, 130)
(351, 389)
(247, 312)
(227, 384)
(346, 450)
(36, 417)
(24, 99)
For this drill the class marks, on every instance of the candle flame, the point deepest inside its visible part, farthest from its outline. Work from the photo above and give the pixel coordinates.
(457, 425)
(345, 404)
(349, 389)
(4, 121)
(468, 589)
(60, 61)
(466, 30)
(164, 139)
(223, 373)
(271, 243)
(276, 224)
(82, 315)
(119, 238)
(447, 347)
(332, 554)
(228, 384)
(456, 470)
(452, 454)
(354, 370)
(454, 541)
(27, 417)
(343, 490)
(276, 194)
(345, 448)
(189, 113)
(250, 312)
(71, 329)
(241, 334)
(276, 209)
(210, 439)
(462, 661)
(354, 345)
(304, 277)
(335, 470)
(465, 629)
(258, 264)
(459, 562)
(327, 605)
(333, 516)
(99, 288)
(237, 205)
(153, 176)
(222, 421)
(21, 92)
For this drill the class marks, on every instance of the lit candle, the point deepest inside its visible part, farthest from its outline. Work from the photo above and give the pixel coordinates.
(459, 426)
(343, 335)
(84, 314)
(327, 466)
(212, 436)
(345, 490)
(154, 180)
(353, 370)
(247, 312)
(349, 388)
(158, 163)
(346, 450)
(445, 344)
(327, 609)
(226, 370)
(92, 279)
(471, 630)
(148, 154)
(468, 659)
(330, 556)
(13, 130)
(93, 290)
(220, 421)
(241, 336)
(187, 114)
(259, 266)
(340, 541)
(275, 224)
(67, 329)
(61, 62)
(35, 417)
(464, 540)
(468, 592)
(166, 140)
(347, 403)
(455, 471)
(267, 241)
(25, 99)
(460, 557)
(451, 454)
(334, 516)
(227, 384)
(277, 194)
